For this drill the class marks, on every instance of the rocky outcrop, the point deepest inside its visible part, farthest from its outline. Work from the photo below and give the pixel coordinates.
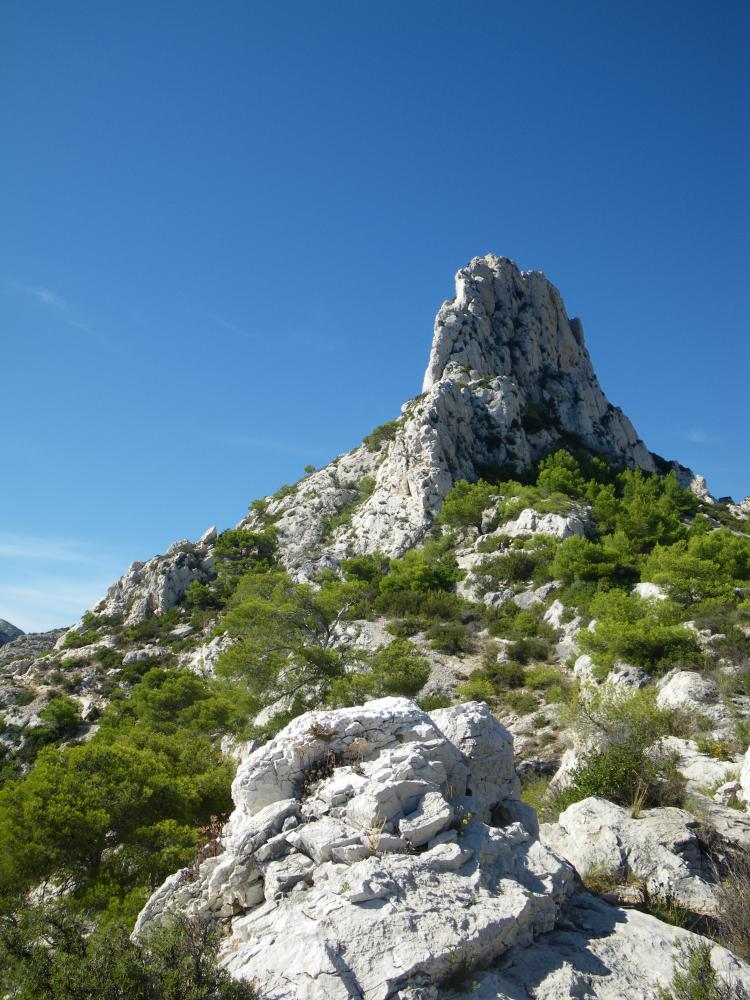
(508, 379)
(370, 849)
(597, 952)
(660, 849)
(153, 587)
(8, 632)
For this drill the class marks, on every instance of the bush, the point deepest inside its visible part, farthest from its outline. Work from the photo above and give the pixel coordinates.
(521, 702)
(627, 764)
(477, 688)
(733, 899)
(375, 440)
(637, 631)
(449, 638)
(506, 674)
(694, 978)
(542, 676)
(51, 953)
(465, 504)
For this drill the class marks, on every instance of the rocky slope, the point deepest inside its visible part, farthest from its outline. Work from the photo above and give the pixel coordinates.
(380, 852)
(508, 378)
(392, 840)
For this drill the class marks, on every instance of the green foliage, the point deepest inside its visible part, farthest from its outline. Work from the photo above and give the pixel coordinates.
(694, 978)
(477, 688)
(375, 440)
(396, 669)
(61, 718)
(626, 763)
(638, 631)
(521, 702)
(48, 951)
(465, 504)
(431, 567)
(449, 637)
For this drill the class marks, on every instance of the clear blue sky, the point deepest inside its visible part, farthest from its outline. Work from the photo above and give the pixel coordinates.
(227, 228)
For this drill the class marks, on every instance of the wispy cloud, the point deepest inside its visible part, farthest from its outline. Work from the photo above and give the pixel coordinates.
(268, 444)
(51, 300)
(700, 437)
(45, 295)
(234, 328)
(13, 546)
(49, 582)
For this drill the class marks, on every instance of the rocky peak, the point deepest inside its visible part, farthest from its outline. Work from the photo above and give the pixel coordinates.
(509, 379)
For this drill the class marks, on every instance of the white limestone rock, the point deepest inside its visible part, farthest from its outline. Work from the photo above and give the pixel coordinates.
(153, 587)
(744, 779)
(687, 689)
(502, 348)
(660, 848)
(562, 526)
(649, 592)
(388, 869)
(597, 952)
(202, 660)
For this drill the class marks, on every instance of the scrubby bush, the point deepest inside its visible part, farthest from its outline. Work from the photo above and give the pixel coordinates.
(448, 637)
(465, 504)
(694, 978)
(49, 951)
(626, 762)
(397, 669)
(477, 688)
(643, 632)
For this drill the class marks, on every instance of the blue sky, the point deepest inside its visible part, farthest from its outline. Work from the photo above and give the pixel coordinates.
(228, 226)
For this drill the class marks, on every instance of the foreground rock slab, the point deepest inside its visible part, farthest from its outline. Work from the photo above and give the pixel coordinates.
(369, 848)
(660, 849)
(597, 952)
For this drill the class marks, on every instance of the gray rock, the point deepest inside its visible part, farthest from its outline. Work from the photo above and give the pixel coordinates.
(355, 910)
(661, 848)
(597, 952)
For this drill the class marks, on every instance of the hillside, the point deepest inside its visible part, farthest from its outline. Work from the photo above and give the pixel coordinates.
(517, 609)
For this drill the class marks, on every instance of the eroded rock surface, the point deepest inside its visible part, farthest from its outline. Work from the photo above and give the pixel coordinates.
(369, 847)
(509, 377)
(660, 849)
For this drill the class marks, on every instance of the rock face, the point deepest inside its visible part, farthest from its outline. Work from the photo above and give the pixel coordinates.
(369, 850)
(153, 587)
(660, 848)
(509, 377)
(8, 632)
(597, 952)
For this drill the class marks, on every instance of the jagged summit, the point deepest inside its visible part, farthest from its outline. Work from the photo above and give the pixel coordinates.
(509, 379)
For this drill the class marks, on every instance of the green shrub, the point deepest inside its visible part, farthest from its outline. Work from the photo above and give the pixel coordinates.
(694, 978)
(449, 637)
(542, 676)
(375, 440)
(465, 503)
(627, 764)
(533, 648)
(506, 674)
(521, 702)
(51, 952)
(477, 688)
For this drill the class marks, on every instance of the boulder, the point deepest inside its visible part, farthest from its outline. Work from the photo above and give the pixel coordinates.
(660, 848)
(597, 952)
(368, 847)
